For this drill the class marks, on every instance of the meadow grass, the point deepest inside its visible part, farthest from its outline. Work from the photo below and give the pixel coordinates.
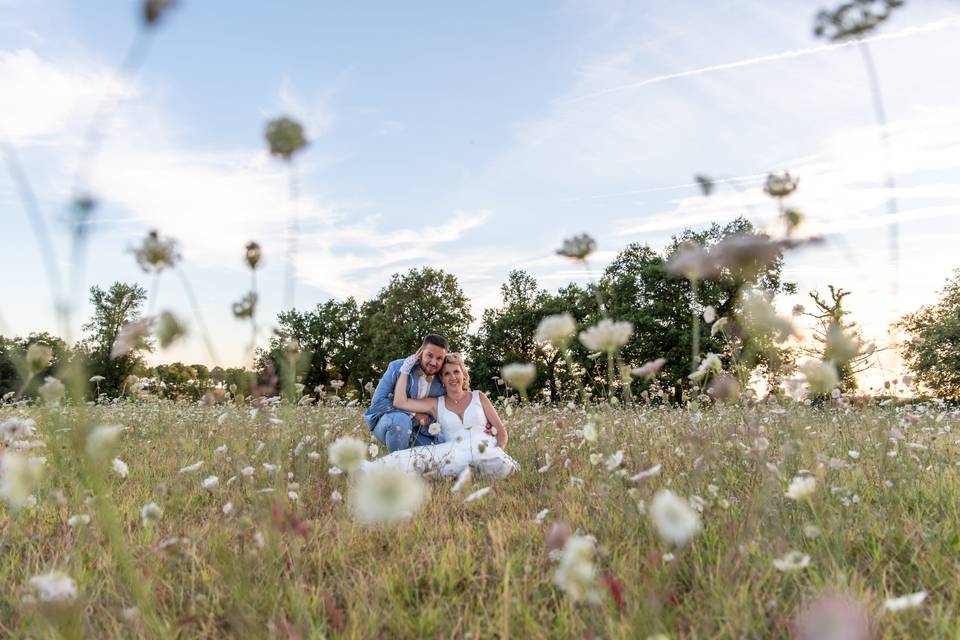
(279, 566)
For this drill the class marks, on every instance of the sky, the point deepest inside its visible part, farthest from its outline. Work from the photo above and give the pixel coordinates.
(472, 137)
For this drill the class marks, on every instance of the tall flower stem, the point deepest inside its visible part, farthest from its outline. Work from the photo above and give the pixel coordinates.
(695, 338)
(293, 238)
(198, 315)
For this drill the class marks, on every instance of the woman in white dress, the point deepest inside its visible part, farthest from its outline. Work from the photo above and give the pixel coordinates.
(463, 416)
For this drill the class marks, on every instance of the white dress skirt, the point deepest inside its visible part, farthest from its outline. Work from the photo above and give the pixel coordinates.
(465, 445)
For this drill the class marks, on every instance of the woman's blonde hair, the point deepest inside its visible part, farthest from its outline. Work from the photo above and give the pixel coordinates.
(456, 358)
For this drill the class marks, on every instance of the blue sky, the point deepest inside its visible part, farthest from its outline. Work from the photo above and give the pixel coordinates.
(472, 137)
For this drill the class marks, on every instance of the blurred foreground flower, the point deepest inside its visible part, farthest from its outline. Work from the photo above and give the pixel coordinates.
(780, 185)
(577, 247)
(674, 518)
(253, 254)
(384, 495)
(908, 601)
(51, 390)
(710, 364)
(285, 137)
(821, 376)
(347, 453)
(853, 19)
(649, 369)
(18, 477)
(246, 307)
(53, 593)
(153, 10)
(169, 329)
(576, 573)
(607, 335)
(791, 561)
(38, 357)
(150, 514)
(519, 375)
(801, 488)
(131, 336)
(156, 254)
(102, 439)
(833, 617)
(558, 330)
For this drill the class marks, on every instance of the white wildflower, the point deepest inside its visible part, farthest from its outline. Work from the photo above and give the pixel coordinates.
(385, 495)
(673, 518)
(210, 483)
(791, 561)
(347, 453)
(150, 514)
(479, 493)
(120, 467)
(801, 487)
(607, 335)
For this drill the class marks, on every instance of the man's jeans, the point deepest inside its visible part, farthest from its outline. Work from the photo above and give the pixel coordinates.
(393, 429)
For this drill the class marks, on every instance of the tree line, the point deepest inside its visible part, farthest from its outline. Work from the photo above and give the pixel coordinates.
(342, 346)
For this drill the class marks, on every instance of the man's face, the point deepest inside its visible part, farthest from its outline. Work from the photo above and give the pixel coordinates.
(431, 358)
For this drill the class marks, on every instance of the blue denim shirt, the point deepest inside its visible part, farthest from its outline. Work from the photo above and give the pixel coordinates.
(382, 401)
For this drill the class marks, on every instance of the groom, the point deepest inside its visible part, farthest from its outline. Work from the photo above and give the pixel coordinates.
(399, 429)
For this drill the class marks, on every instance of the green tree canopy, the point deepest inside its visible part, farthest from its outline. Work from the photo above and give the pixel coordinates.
(113, 310)
(933, 351)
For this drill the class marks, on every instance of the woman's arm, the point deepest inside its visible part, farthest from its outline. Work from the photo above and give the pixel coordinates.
(494, 419)
(402, 402)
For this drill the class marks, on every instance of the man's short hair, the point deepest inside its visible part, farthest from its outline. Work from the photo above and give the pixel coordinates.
(436, 340)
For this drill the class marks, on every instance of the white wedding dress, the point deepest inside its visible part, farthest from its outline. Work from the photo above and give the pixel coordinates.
(465, 445)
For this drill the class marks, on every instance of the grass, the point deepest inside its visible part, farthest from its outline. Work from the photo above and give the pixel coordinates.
(275, 567)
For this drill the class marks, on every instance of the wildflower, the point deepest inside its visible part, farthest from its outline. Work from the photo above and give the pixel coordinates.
(709, 314)
(577, 247)
(780, 186)
(541, 516)
(101, 440)
(384, 495)
(724, 388)
(576, 573)
(791, 561)
(130, 337)
(821, 376)
(462, 480)
(156, 253)
(558, 330)
(169, 329)
(649, 369)
(150, 514)
(336, 496)
(801, 488)
(285, 137)
(761, 319)
(192, 468)
(434, 429)
(292, 496)
(607, 335)
(120, 467)
(710, 364)
(854, 454)
(673, 518)
(347, 453)
(590, 432)
(51, 390)
(519, 376)
(373, 450)
(840, 346)
(246, 307)
(210, 483)
(52, 592)
(227, 508)
(595, 458)
(668, 557)
(78, 520)
(248, 470)
(811, 531)
(38, 357)
(908, 601)
(253, 254)
(833, 616)
(854, 19)
(615, 460)
(17, 428)
(691, 261)
(648, 473)
(479, 493)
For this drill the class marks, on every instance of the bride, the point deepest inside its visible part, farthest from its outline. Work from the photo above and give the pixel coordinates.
(462, 415)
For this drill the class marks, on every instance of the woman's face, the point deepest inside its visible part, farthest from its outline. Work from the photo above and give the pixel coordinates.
(451, 376)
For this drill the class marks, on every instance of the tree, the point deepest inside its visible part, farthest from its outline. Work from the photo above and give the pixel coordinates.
(933, 352)
(637, 287)
(412, 305)
(831, 316)
(329, 337)
(112, 311)
(13, 367)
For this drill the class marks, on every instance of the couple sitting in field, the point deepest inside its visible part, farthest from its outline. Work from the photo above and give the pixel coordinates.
(425, 413)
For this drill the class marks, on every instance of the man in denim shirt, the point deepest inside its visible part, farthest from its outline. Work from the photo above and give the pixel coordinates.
(393, 427)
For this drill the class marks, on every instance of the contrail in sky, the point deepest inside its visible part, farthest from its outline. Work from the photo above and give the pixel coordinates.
(937, 25)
